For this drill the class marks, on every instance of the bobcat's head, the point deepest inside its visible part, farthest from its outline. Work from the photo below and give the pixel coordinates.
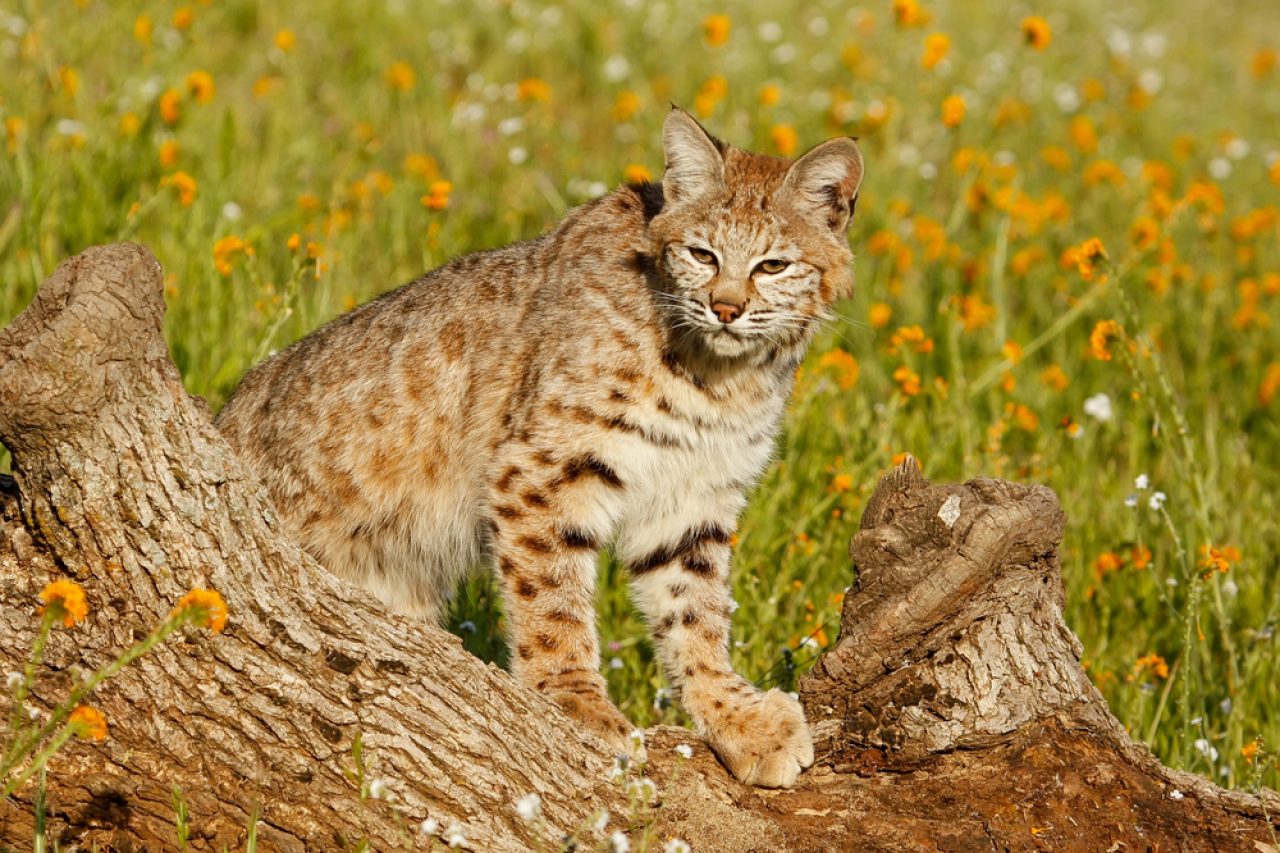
(751, 250)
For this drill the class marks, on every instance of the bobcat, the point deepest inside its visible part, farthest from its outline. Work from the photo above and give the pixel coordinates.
(618, 381)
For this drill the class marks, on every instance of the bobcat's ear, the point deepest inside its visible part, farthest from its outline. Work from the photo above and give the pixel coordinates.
(825, 181)
(695, 166)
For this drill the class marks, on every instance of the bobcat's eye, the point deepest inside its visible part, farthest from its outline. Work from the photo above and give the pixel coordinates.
(702, 256)
(772, 266)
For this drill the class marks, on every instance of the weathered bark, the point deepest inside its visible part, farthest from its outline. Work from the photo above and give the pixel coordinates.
(951, 714)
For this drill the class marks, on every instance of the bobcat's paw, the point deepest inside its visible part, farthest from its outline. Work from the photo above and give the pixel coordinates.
(763, 739)
(602, 718)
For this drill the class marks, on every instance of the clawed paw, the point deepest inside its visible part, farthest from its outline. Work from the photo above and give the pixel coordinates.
(603, 719)
(763, 739)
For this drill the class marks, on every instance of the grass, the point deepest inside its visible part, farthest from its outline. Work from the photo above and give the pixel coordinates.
(974, 340)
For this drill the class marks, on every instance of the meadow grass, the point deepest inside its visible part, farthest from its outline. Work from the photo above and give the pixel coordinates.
(986, 337)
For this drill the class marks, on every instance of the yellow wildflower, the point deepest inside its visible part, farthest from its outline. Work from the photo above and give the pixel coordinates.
(208, 608)
(1036, 32)
(142, 29)
(170, 106)
(534, 89)
(715, 29)
(88, 722)
(67, 599)
(1263, 62)
(785, 139)
(842, 483)
(626, 105)
(880, 314)
(130, 124)
(1083, 134)
(907, 13)
(169, 151)
(953, 110)
(636, 173)
(400, 76)
(936, 47)
(285, 40)
(69, 79)
(1269, 387)
(770, 94)
(200, 85)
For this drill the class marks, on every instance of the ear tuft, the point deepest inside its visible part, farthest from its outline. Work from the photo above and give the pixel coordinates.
(825, 181)
(694, 164)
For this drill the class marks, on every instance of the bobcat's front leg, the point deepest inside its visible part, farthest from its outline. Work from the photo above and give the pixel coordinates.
(683, 588)
(551, 516)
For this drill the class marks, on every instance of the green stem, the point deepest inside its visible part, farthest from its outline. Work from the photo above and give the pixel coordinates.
(41, 759)
(51, 613)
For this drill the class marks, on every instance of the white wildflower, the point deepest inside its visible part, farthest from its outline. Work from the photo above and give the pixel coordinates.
(33, 713)
(1206, 749)
(615, 662)
(637, 739)
(232, 212)
(517, 155)
(616, 68)
(684, 751)
(468, 626)
(378, 790)
(1142, 482)
(1099, 407)
(1156, 501)
(511, 126)
(661, 698)
(453, 836)
(1067, 98)
(770, 31)
(619, 843)
(600, 821)
(529, 806)
(1229, 588)
(1237, 148)
(1171, 582)
(1132, 501)
(1225, 705)
(927, 171)
(70, 127)
(430, 826)
(1150, 81)
(1175, 794)
(1220, 168)
(12, 680)
(642, 789)
(676, 845)
(619, 770)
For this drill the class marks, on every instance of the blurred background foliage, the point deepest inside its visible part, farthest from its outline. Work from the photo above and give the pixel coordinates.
(1067, 262)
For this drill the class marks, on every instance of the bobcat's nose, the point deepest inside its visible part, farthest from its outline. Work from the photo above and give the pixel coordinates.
(726, 311)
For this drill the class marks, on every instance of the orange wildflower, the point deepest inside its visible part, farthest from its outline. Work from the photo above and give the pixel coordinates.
(913, 336)
(225, 252)
(1055, 377)
(285, 40)
(908, 380)
(200, 85)
(637, 174)
(953, 110)
(1100, 339)
(784, 139)
(770, 94)
(907, 13)
(1140, 557)
(209, 610)
(533, 89)
(437, 197)
(184, 18)
(142, 28)
(1036, 32)
(625, 106)
(880, 314)
(170, 106)
(1217, 559)
(1108, 561)
(88, 722)
(1270, 384)
(67, 599)
(715, 29)
(183, 184)
(936, 47)
(845, 366)
(400, 76)
(1152, 663)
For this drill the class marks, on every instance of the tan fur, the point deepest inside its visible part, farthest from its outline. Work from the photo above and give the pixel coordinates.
(525, 407)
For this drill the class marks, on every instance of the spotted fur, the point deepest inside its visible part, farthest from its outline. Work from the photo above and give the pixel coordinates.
(525, 407)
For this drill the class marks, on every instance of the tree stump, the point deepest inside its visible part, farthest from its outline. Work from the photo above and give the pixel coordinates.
(952, 713)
